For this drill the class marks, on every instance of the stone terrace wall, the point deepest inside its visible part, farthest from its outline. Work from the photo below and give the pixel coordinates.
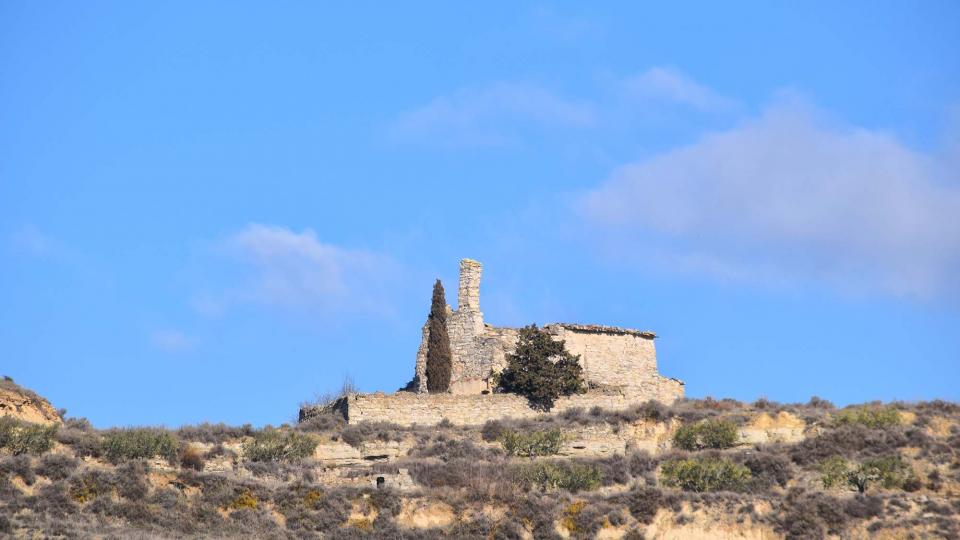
(408, 408)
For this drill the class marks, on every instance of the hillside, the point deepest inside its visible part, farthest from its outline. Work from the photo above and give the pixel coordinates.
(761, 470)
(23, 404)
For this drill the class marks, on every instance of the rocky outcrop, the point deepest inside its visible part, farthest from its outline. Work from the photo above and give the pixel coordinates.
(25, 405)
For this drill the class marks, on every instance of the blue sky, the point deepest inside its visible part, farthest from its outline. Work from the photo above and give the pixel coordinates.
(212, 211)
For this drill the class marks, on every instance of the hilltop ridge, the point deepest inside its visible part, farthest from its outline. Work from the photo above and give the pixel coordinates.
(699, 468)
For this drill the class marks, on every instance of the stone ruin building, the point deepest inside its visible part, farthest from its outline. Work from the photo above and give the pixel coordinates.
(619, 366)
(611, 357)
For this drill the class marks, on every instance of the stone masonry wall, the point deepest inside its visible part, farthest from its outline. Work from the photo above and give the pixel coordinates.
(408, 408)
(469, 357)
(610, 356)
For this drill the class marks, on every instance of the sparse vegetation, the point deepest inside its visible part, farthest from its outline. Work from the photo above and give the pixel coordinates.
(871, 416)
(711, 433)
(139, 443)
(268, 489)
(192, 457)
(277, 445)
(535, 443)
(704, 474)
(25, 438)
(57, 466)
(568, 476)
(541, 369)
(887, 471)
(833, 472)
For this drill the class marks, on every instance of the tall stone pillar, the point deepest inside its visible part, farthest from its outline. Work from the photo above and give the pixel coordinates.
(468, 299)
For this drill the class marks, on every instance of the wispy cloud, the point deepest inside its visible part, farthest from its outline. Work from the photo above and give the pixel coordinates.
(30, 240)
(662, 84)
(509, 114)
(789, 195)
(296, 270)
(492, 115)
(171, 340)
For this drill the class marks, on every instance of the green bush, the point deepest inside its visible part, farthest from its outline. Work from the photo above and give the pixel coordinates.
(889, 471)
(25, 438)
(704, 474)
(871, 416)
(706, 434)
(276, 445)
(139, 443)
(892, 471)
(541, 370)
(834, 471)
(535, 443)
(572, 477)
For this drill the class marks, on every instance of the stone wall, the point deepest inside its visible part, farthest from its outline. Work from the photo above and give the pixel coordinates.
(408, 408)
(610, 356)
(469, 354)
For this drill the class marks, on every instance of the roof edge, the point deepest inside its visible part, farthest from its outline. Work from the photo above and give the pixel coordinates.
(601, 329)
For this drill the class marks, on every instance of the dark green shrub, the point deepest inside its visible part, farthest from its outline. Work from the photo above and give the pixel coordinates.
(833, 472)
(640, 463)
(276, 445)
(767, 470)
(19, 465)
(78, 434)
(644, 502)
(213, 433)
(653, 410)
(569, 476)
(450, 449)
(849, 441)
(492, 430)
(192, 458)
(863, 506)
(871, 416)
(26, 438)
(439, 360)
(717, 434)
(57, 466)
(54, 500)
(889, 471)
(90, 484)
(534, 443)
(139, 443)
(541, 369)
(704, 474)
(130, 480)
(356, 435)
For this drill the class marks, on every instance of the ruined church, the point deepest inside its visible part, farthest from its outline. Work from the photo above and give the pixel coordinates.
(619, 367)
(612, 358)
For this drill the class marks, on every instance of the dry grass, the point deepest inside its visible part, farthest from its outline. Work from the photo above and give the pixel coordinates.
(74, 491)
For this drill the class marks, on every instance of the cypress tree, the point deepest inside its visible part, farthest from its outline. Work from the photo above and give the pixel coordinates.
(439, 362)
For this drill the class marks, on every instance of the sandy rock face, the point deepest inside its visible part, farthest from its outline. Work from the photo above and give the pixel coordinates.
(25, 405)
(764, 428)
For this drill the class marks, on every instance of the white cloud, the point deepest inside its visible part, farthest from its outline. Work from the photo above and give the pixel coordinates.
(32, 241)
(788, 196)
(492, 115)
(296, 270)
(669, 85)
(172, 340)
